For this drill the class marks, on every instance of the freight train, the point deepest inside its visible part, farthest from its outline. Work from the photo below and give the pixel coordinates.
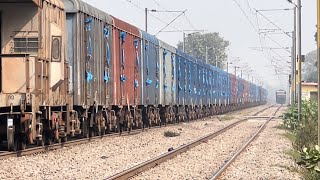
(69, 70)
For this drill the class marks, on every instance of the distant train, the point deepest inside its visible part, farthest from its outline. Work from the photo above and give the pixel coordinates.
(71, 70)
(281, 97)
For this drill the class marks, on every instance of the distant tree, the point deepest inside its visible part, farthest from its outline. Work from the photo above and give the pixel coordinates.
(196, 43)
(309, 68)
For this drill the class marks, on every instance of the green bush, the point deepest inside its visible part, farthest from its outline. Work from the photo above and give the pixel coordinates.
(305, 132)
(290, 118)
(310, 158)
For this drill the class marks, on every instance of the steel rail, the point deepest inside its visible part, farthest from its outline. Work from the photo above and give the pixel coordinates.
(228, 162)
(133, 171)
(41, 149)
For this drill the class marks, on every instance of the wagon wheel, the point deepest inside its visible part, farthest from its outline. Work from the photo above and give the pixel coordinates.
(23, 143)
(12, 139)
(150, 117)
(85, 132)
(129, 120)
(42, 141)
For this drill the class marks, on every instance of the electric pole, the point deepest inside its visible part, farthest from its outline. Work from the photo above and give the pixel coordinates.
(299, 60)
(146, 18)
(318, 58)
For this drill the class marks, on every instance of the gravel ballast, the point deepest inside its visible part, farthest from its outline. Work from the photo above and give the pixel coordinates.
(101, 158)
(265, 158)
(201, 161)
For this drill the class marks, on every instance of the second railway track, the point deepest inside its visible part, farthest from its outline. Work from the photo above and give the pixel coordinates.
(160, 159)
(228, 162)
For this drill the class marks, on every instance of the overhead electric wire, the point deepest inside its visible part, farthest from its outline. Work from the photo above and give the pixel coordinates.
(257, 29)
(277, 43)
(137, 6)
(192, 26)
(246, 16)
(274, 24)
(171, 22)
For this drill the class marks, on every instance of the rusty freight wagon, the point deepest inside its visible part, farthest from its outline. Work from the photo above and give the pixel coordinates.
(33, 99)
(127, 73)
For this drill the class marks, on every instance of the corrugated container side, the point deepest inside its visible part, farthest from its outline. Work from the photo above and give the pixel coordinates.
(150, 70)
(186, 63)
(245, 93)
(225, 87)
(199, 83)
(234, 89)
(206, 86)
(180, 79)
(87, 42)
(167, 74)
(190, 84)
(195, 79)
(229, 88)
(127, 54)
(193, 83)
(212, 89)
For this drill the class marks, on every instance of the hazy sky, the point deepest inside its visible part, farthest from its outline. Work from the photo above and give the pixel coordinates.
(225, 17)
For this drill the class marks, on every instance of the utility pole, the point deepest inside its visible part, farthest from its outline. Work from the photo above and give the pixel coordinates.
(318, 58)
(227, 67)
(293, 73)
(184, 42)
(216, 61)
(207, 54)
(235, 71)
(295, 56)
(299, 60)
(146, 16)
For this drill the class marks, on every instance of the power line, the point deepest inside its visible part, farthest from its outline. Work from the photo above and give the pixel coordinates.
(246, 16)
(192, 26)
(248, 3)
(157, 4)
(171, 22)
(274, 24)
(277, 43)
(137, 6)
(257, 30)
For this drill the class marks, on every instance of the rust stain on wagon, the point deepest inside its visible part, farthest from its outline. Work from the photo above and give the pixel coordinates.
(126, 70)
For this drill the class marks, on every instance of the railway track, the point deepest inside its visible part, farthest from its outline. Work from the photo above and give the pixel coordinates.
(36, 150)
(131, 172)
(229, 161)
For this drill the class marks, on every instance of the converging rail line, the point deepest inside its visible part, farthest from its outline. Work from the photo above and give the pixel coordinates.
(135, 170)
(229, 161)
